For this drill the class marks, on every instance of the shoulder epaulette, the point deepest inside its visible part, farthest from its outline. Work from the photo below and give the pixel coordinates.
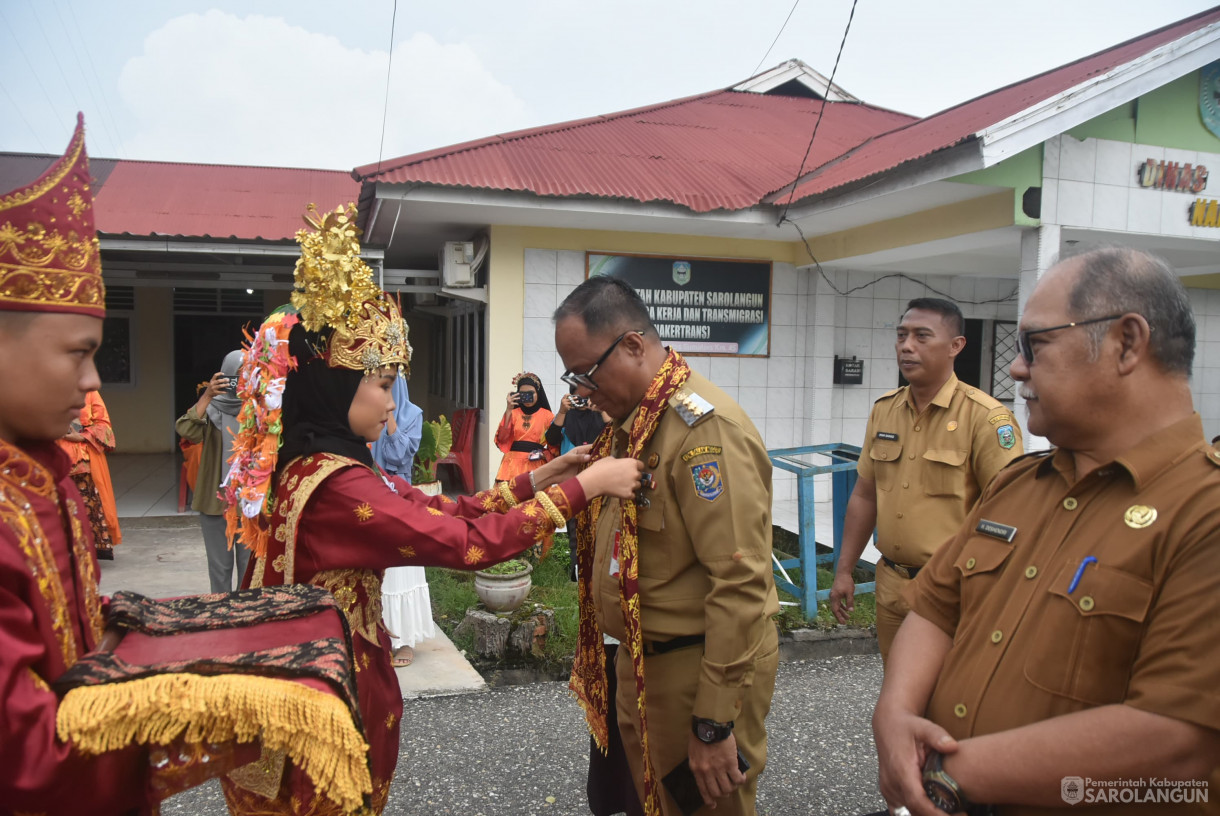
(983, 398)
(690, 406)
(887, 395)
(1038, 454)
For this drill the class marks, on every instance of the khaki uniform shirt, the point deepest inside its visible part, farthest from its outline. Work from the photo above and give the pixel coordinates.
(1139, 627)
(704, 546)
(931, 467)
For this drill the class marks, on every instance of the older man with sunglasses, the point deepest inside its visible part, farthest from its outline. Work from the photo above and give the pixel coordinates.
(1061, 647)
(682, 575)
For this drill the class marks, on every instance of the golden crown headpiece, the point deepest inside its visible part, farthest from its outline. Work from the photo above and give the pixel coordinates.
(50, 260)
(334, 289)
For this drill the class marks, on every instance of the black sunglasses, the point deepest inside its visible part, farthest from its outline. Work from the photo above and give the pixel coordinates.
(1027, 351)
(586, 380)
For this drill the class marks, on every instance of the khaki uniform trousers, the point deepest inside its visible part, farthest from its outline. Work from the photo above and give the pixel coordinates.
(670, 682)
(892, 608)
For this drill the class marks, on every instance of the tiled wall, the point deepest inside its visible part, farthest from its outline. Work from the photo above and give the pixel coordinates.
(1205, 383)
(1093, 183)
(790, 395)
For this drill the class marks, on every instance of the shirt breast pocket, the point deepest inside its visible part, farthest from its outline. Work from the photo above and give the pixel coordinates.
(979, 565)
(943, 472)
(655, 555)
(1084, 644)
(885, 455)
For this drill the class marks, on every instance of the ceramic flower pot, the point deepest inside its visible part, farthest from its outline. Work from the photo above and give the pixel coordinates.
(503, 593)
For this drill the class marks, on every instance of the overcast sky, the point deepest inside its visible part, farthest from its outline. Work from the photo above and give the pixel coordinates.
(303, 83)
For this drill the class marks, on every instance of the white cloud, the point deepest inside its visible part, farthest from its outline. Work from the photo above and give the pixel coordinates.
(218, 88)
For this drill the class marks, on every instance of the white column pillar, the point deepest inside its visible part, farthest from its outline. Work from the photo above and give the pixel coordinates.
(1039, 251)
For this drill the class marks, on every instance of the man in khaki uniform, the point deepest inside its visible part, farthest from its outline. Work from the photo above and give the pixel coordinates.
(706, 588)
(1064, 639)
(929, 450)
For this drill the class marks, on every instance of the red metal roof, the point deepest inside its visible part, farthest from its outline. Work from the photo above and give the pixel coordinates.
(957, 124)
(217, 201)
(723, 150)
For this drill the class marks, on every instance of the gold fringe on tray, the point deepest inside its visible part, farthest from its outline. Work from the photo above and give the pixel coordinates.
(313, 727)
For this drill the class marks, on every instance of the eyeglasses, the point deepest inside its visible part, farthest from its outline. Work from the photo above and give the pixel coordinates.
(586, 380)
(1027, 350)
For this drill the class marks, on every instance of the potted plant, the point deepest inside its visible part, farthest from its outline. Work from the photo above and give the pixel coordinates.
(436, 438)
(503, 587)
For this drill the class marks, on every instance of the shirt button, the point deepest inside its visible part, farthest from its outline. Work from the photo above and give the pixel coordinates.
(1070, 503)
(960, 710)
(1030, 572)
(997, 636)
(904, 484)
(1086, 603)
(900, 515)
(970, 563)
(884, 455)
(917, 427)
(910, 456)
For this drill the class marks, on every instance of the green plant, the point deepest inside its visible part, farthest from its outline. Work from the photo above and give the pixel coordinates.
(510, 567)
(435, 441)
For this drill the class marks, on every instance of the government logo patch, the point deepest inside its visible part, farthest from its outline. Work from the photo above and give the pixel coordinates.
(707, 480)
(1007, 436)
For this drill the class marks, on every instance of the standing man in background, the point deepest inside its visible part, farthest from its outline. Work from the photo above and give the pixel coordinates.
(929, 450)
(682, 574)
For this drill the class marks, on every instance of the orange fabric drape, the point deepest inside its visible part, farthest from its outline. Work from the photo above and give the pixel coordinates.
(90, 456)
(192, 452)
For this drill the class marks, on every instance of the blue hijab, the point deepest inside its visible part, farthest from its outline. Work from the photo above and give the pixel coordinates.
(395, 452)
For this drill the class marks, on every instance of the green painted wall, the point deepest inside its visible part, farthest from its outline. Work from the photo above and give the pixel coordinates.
(1020, 172)
(1166, 117)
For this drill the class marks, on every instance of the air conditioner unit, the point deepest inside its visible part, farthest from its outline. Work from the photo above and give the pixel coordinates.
(456, 262)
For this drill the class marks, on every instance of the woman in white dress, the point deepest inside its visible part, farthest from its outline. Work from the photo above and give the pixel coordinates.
(405, 604)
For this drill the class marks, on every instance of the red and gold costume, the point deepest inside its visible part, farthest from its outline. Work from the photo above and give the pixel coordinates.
(316, 511)
(87, 728)
(91, 472)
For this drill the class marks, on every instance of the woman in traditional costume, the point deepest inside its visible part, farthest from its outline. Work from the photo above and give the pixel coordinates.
(319, 510)
(522, 431)
(86, 444)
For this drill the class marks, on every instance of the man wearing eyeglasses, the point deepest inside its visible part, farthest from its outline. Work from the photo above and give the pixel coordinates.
(1061, 646)
(682, 575)
(929, 450)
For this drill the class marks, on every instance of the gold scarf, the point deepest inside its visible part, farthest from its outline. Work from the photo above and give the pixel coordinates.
(588, 681)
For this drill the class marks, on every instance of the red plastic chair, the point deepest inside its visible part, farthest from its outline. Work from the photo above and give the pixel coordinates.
(464, 422)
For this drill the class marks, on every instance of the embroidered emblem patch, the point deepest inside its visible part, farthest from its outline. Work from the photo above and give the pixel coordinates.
(700, 451)
(1007, 437)
(707, 480)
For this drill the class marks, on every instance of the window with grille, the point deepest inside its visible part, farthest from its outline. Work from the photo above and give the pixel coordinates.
(114, 357)
(1003, 352)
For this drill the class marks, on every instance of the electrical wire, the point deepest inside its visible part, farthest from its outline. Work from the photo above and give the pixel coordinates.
(777, 36)
(900, 275)
(829, 84)
(389, 65)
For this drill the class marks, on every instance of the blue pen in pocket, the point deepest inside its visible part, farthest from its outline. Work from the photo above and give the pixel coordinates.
(1088, 559)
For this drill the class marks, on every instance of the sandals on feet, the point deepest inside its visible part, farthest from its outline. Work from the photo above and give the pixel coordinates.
(403, 657)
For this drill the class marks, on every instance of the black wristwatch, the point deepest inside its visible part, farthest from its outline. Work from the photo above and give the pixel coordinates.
(941, 788)
(710, 731)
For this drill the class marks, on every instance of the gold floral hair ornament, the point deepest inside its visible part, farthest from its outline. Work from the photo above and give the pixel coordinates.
(530, 376)
(335, 292)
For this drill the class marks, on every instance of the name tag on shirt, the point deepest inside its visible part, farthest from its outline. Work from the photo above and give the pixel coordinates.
(886, 435)
(996, 530)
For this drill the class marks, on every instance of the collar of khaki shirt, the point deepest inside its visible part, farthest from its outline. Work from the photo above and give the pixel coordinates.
(1145, 460)
(943, 397)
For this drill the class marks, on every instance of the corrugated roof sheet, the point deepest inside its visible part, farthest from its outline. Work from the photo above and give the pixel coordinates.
(214, 201)
(718, 151)
(955, 125)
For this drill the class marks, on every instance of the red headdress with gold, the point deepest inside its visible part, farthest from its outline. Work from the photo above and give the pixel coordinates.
(50, 260)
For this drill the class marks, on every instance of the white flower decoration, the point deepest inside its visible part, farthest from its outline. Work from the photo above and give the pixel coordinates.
(275, 394)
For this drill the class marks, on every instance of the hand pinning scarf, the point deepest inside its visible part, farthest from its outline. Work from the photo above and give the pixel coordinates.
(588, 681)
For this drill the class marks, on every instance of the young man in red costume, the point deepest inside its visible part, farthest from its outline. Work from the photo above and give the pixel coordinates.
(52, 302)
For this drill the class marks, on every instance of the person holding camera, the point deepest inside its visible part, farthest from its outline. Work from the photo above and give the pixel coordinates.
(522, 430)
(213, 422)
(576, 423)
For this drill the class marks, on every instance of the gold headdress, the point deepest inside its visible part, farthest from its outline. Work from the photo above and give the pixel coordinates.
(49, 255)
(335, 290)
